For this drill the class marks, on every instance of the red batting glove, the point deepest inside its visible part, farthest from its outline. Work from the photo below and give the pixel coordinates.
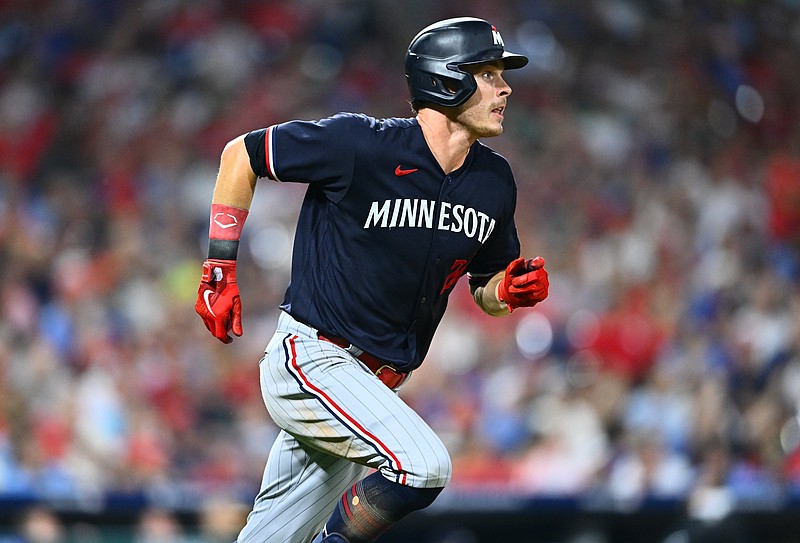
(525, 283)
(218, 301)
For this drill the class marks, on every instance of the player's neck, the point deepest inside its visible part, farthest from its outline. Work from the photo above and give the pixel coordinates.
(447, 140)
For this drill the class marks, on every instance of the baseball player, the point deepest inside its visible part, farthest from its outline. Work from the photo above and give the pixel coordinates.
(396, 211)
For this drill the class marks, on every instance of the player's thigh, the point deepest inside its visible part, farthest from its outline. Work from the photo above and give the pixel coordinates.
(327, 399)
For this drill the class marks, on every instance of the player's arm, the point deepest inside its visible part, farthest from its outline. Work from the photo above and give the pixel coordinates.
(524, 283)
(236, 181)
(486, 296)
(218, 301)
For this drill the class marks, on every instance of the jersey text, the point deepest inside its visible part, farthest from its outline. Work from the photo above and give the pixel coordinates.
(416, 213)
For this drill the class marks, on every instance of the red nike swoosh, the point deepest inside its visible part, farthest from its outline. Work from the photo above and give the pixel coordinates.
(400, 171)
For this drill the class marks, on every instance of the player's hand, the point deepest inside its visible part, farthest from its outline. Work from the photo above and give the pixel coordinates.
(218, 301)
(525, 283)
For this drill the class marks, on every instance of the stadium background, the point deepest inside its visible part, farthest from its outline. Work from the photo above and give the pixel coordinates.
(652, 398)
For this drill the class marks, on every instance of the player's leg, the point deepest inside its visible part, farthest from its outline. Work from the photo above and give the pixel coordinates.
(356, 417)
(300, 487)
(320, 394)
(372, 506)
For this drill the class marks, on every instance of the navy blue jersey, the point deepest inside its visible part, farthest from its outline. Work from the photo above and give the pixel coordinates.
(384, 234)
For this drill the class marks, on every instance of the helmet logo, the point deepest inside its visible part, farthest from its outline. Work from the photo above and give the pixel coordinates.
(496, 37)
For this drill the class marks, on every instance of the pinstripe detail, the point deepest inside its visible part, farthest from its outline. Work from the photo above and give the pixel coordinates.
(269, 153)
(340, 414)
(278, 511)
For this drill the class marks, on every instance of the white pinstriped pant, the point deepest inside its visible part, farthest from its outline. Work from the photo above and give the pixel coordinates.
(338, 420)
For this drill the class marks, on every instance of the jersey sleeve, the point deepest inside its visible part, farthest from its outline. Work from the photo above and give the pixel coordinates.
(501, 248)
(314, 152)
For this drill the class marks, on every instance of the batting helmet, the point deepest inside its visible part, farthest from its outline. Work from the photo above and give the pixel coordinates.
(439, 52)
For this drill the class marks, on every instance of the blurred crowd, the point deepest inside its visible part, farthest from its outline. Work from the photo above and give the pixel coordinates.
(656, 145)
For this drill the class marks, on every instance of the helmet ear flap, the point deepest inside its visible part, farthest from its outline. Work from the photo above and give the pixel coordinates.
(433, 82)
(459, 89)
(447, 84)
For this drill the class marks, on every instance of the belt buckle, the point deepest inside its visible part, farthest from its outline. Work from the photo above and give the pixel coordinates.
(392, 381)
(388, 367)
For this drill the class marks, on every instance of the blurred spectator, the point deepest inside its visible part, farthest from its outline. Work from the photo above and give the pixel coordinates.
(710, 503)
(221, 520)
(159, 526)
(40, 525)
(644, 467)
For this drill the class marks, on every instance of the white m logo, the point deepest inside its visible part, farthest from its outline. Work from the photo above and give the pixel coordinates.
(496, 37)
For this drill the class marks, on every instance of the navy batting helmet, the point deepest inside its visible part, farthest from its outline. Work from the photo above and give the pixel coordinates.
(439, 52)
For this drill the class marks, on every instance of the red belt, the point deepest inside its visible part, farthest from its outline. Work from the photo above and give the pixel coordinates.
(386, 373)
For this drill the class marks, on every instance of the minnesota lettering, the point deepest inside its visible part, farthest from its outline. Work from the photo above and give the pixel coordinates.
(416, 213)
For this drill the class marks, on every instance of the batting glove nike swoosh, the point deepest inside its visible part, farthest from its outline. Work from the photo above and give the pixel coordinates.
(218, 301)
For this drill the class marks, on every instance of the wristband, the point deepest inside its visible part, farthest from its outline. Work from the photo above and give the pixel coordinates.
(222, 249)
(225, 229)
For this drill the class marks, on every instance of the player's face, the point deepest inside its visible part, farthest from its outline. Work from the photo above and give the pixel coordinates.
(482, 114)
